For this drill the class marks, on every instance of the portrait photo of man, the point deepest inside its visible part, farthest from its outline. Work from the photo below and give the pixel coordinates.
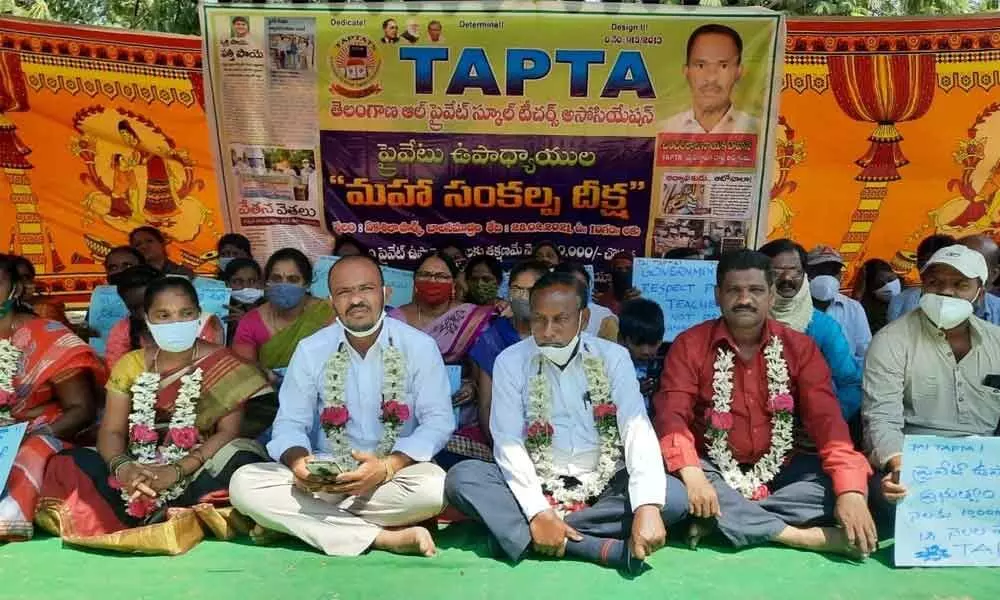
(713, 68)
(434, 31)
(390, 31)
(239, 27)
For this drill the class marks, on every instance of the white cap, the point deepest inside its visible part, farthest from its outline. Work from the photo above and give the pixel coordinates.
(965, 260)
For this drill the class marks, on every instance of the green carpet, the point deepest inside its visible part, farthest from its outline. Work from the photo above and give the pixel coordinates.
(42, 569)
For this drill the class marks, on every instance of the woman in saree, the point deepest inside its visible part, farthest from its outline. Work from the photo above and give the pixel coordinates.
(49, 379)
(455, 326)
(171, 436)
(268, 334)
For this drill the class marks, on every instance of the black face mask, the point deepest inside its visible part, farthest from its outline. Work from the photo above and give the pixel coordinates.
(621, 282)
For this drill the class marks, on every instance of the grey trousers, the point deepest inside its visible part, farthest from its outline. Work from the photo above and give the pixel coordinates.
(479, 490)
(801, 494)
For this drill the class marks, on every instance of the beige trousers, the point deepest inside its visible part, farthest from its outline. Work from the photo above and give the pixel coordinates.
(336, 524)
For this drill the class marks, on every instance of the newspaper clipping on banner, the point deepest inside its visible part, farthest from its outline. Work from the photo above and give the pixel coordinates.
(635, 128)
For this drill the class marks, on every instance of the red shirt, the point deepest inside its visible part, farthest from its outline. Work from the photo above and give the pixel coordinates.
(686, 394)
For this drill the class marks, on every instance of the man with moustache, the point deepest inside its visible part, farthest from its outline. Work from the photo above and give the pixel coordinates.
(714, 66)
(734, 391)
(370, 396)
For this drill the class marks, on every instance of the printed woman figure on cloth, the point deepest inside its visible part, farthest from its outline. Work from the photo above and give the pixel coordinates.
(577, 471)
(171, 436)
(49, 378)
(454, 325)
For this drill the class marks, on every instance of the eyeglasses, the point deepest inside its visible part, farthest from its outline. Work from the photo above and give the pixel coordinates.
(516, 290)
(424, 275)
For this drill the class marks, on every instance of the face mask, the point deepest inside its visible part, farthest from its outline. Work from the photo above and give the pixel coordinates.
(285, 295)
(482, 292)
(889, 291)
(521, 307)
(174, 337)
(560, 355)
(824, 288)
(433, 293)
(366, 332)
(945, 312)
(224, 262)
(247, 295)
(641, 372)
(621, 282)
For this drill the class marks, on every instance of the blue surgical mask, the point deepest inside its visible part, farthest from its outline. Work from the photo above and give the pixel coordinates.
(224, 262)
(285, 295)
(175, 337)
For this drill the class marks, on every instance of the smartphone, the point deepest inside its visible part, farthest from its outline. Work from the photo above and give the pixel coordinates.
(326, 469)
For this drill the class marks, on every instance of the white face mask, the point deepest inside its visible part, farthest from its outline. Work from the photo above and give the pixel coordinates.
(247, 295)
(824, 287)
(889, 291)
(370, 330)
(175, 337)
(946, 312)
(560, 355)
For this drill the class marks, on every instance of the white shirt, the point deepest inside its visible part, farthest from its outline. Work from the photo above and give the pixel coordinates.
(854, 321)
(428, 394)
(575, 444)
(734, 121)
(597, 315)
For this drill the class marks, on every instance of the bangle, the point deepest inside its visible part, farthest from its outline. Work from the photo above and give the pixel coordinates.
(389, 472)
(197, 455)
(116, 463)
(179, 470)
(119, 466)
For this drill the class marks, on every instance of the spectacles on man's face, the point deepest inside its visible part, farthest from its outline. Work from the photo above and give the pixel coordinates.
(431, 276)
(518, 291)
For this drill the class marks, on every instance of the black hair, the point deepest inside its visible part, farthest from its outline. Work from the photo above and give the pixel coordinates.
(126, 250)
(20, 261)
(296, 256)
(621, 255)
(8, 266)
(453, 243)
(869, 270)
(238, 264)
(139, 276)
(573, 268)
(776, 247)
(538, 268)
(241, 19)
(682, 254)
(386, 23)
(153, 231)
(640, 321)
(743, 260)
(170, 282)
(365, 257)
(543, 244)
(344, 240)
(491, 263)
(452, 267)
(237, 241)
(718, 29)
(554, 279)
(931, 244)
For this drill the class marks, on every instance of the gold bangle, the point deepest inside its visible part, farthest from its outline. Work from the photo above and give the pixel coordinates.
(179, 470)
(389, 472)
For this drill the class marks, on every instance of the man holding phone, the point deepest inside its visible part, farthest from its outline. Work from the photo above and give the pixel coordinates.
(364, 406)
(934, 371)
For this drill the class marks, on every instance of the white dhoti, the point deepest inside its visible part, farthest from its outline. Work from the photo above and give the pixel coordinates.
(336, 524)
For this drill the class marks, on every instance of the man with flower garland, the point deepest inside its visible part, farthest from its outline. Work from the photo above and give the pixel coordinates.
(567, 415)
(372, 393)
(733, 392)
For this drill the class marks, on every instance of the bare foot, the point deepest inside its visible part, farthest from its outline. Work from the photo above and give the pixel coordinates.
(837, 543)
(698, 529)
(410, 540)
(820, 539)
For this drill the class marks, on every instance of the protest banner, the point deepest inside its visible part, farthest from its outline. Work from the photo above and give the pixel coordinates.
(684, 289)
(411, 125)
(951, 513)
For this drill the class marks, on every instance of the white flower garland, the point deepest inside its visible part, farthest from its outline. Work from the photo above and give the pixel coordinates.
(540, 433)
(10, 359)
(142, 421)
(751, 484)
(394, 410)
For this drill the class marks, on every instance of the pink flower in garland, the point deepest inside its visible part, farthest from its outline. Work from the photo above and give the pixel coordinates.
(7, 398)
(334, 416)
(539, 431)
(760, 493)
(395, 412)
(141, 507)
(781, 403)
(183, 437)
(604, 410)
(142, 434)
(722, 421)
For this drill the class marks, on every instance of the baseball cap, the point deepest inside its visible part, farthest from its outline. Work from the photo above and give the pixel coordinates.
(823, 254)
(965, 260)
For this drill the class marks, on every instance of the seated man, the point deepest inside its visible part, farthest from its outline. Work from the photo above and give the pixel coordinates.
(928, 372)
(909, 298)
(566, 413)
(733, 390)
(368, 389)
(793, 307)
(825, 268)
(640, 331)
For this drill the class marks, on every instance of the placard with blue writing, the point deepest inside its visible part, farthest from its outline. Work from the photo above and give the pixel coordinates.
(684, 289)
(10, 441)
(951, 513)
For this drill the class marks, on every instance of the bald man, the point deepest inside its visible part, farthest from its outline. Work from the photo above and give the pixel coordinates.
(988, 306)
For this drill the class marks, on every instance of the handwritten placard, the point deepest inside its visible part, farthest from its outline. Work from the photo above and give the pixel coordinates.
(213, 298)
(321, 276)
(10, 441)
(684, 289)
(106, 309)
(399, 280)
(951, 513)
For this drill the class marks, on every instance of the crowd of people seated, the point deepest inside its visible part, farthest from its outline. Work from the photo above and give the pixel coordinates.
(513, 395)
